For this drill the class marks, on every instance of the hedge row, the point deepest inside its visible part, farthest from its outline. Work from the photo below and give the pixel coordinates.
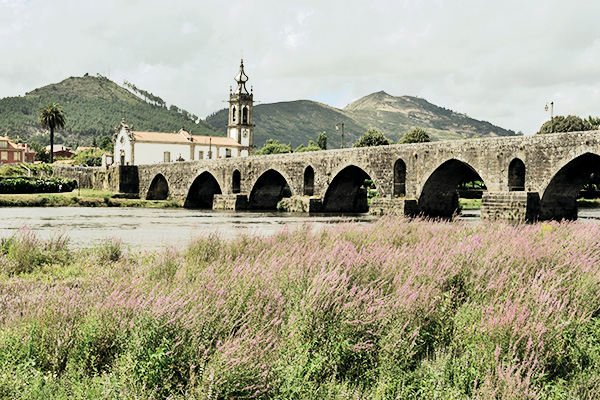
(36, 185)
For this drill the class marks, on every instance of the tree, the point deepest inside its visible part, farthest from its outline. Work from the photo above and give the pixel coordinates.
(52, 117)
(372, 137)
(322, 140)
(273, 146)
(571, 123)
(106, 144)
(311, 147)
(415, 135)
(591, 123)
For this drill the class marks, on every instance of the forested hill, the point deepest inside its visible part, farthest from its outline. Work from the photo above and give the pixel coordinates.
(94, 106)
(297, 122)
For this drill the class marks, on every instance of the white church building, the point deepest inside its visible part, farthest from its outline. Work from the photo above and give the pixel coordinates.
(136, 148)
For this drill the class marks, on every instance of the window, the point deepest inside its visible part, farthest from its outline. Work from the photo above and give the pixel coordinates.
(233, 114)
(167, 156)
(3, 143)
(245, 116)
(17, 156)
(200, 155)
(4, 155)
(227, 153)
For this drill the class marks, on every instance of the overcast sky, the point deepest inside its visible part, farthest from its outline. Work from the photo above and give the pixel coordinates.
(499, 61)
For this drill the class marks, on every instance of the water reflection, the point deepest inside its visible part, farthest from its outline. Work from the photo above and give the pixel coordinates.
(147, 228)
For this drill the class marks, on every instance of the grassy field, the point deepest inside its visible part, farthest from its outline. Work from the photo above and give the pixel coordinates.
(85, 198)
(399, 309)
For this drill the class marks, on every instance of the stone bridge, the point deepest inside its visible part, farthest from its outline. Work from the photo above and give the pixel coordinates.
(527, 177)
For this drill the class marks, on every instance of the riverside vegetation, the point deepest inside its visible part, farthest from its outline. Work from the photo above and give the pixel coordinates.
(399, 309)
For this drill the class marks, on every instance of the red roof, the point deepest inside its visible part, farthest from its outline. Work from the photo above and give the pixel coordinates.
(184, 137)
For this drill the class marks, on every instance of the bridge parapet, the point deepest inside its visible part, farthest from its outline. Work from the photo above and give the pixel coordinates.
(514, 169)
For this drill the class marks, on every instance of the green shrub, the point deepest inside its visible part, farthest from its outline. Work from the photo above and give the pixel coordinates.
(25, 252)
(36, 185)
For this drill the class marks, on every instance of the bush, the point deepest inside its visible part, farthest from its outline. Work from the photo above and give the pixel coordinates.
(36, 185)
(415, 135)
(372, 138)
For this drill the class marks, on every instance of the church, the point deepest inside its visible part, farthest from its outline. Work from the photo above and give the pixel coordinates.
(136, 148)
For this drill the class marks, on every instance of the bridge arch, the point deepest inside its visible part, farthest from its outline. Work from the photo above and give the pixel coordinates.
(309, 181)
(559, 200)
(399, 178)
(516, 175)
(202, 191)
(159, 188)
(439, 195)
(268, 190)
(236, 181)
(346, 192)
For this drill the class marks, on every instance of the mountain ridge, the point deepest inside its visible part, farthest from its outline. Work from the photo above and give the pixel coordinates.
(94, 105)
(392, 115)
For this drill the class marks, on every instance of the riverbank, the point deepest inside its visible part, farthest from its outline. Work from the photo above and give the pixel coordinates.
(97, 198)
(83, 198)
(475, 204)
(398, 308)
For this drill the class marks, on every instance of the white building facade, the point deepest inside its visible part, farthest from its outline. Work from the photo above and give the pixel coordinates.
(136, 148)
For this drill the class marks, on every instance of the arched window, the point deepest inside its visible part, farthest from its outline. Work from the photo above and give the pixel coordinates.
(399, 178)
(233, 114)
(236, 181)
(516, 176)
(245, 116)
(309, 181)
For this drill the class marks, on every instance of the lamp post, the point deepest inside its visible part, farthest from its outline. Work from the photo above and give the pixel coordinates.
(337, 128)
(79, 184)
(551, 115)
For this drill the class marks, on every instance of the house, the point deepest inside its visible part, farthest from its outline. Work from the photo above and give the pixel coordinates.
(11, 153)
(61, 151)
(135, 148)
(83, 148)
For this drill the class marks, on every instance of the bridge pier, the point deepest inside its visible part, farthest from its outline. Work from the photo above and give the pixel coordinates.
(381, 206)
(301, 204)
(511, 206)
(230, 202)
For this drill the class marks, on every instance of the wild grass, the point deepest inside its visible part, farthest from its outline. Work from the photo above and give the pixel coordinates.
(400, 309)
(80, 198)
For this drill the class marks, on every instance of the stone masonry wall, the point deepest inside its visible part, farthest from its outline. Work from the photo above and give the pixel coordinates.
(542, 155)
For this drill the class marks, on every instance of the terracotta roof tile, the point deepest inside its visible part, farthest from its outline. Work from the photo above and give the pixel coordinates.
(182, 137)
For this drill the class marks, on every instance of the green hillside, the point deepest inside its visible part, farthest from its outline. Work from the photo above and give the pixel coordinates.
(297, 122)
(93, 106)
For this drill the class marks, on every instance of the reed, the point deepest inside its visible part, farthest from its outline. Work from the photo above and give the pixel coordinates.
(396, 309)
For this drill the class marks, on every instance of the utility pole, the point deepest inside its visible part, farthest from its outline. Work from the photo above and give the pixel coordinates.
(551, 115)
(337, 128)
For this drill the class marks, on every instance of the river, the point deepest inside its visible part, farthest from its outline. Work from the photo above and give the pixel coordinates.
(155, 228)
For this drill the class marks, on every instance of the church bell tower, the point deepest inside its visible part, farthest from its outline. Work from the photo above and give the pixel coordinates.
(240, 126)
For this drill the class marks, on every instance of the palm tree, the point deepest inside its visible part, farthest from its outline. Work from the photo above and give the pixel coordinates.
(52, 117)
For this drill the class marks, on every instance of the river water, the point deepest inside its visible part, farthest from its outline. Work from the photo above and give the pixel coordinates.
(152, 228)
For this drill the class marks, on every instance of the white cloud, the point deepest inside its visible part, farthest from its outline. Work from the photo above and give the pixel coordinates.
(496, 61)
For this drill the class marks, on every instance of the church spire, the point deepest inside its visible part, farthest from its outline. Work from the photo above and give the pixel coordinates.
(240, 126)
(241, 79)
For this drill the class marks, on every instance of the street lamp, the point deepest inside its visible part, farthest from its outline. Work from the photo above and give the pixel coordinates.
(551, 115)
(337, 128)
(79, 184)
